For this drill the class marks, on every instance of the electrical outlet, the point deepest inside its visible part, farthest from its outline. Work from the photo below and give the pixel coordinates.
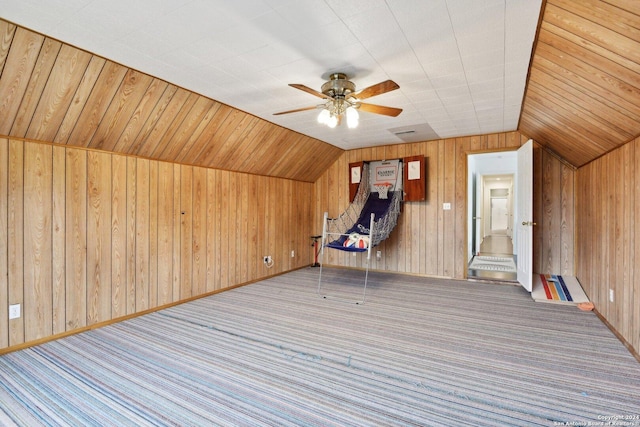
(293, 254)
(610, 295)
(379, 254)
(446, 206)
(267, 259)
(14, 311)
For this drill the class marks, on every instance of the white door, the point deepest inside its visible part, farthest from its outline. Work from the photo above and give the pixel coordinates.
(524, 219)
(499, 215)
(476, 219)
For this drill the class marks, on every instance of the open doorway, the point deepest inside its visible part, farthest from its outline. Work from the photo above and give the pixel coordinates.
(496, 211)
(492, 206)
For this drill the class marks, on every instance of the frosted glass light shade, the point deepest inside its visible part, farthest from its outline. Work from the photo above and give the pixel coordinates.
(353, 118)
(323, 117)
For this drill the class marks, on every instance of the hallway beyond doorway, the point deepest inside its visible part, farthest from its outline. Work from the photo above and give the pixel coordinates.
(496, 244)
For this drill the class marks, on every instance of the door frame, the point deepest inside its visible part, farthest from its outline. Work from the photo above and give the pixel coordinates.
(468, 184)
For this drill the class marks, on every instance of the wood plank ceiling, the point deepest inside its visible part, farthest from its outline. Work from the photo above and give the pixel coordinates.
(582, 100)
(583, 93)
(53, 92)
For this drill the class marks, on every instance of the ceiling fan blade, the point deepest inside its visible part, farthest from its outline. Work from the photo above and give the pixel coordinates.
(296, 110)
(380, 109)
(377, 89)
(309, 90)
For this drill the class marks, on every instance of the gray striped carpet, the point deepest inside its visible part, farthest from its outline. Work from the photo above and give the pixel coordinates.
(420, 352)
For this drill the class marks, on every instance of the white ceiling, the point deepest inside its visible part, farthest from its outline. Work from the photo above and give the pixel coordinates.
(461, 64)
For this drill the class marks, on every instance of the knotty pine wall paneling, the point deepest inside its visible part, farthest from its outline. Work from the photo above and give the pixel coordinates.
(234, 244)
(92, 236)
(153, 234)
(4, 222)
(142, 253)
(44, 64)
(76, 238)
(118, 224)
(186, 230)
(165, 233)
(75, 109)
(431, 241)
(99, 227)
(448, 178)
(225, 227)
(199, 220)
(176, 225)
(25, 48)
(607, 239)
(212, 256)
(634, 251)
(433, 250)
(249, 228)
(216, 252)
(38, 314)
(131, 230)
(58, 239)
(243, 227)
(15, 237)
(58, 93)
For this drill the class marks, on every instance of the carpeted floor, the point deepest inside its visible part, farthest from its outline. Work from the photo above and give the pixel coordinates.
(420, 352)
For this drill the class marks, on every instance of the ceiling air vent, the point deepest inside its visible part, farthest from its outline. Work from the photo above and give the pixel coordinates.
(415, 133)
(404, 132)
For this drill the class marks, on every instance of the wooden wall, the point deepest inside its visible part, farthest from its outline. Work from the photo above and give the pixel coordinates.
(607, 239)
(430, 241)
(89, 236)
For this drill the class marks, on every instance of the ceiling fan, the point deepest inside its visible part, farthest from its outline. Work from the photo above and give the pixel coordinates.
(342, 99)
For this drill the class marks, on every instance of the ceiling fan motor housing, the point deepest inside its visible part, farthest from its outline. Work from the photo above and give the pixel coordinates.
(338, 86)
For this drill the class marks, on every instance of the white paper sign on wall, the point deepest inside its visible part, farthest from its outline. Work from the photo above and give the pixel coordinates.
(414, 170)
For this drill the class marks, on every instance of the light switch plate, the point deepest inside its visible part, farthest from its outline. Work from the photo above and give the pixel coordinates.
(14, 311)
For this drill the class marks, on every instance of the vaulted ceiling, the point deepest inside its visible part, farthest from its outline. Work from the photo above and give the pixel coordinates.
(583, 93)
(461, 65)
(581, 100)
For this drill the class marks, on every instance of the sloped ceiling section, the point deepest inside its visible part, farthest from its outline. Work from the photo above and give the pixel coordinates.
(52, 92)
(583, 93)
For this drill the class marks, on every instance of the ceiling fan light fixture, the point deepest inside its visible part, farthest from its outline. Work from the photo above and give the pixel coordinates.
(353, 118)
(332, 122)
(323, 117)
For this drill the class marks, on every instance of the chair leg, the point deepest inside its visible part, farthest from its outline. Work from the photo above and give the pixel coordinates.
(368, 261)
(364, 288)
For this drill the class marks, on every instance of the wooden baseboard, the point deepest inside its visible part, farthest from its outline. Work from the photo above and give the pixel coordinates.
(629, 347)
